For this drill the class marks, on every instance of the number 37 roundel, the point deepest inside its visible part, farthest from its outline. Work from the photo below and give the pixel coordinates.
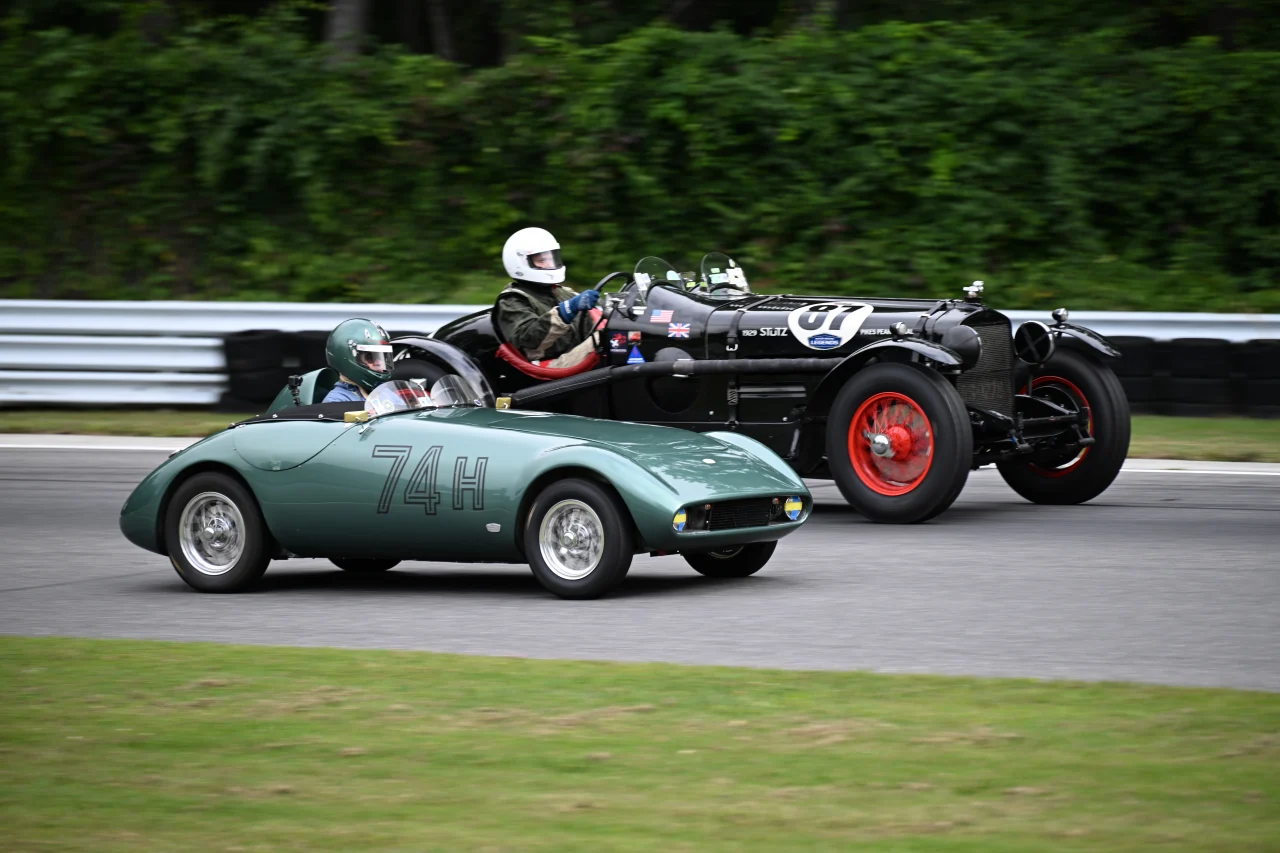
(830, 326)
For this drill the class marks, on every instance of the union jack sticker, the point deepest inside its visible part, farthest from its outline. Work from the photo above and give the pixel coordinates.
(677, 330)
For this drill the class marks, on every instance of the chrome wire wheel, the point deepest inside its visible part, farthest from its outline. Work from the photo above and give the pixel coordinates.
(571, 539)
(211, 533)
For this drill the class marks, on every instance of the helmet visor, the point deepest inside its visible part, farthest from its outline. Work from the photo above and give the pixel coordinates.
(549, 260)
(373, 357)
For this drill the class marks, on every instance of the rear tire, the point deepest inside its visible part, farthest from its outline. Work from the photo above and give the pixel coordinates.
(1070, 379)
(899, 443)
(364, 567)
(215, 535)
(578, 539)
(739, 561)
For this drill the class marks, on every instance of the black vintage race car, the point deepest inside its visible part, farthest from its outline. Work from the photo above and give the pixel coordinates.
(895, 399)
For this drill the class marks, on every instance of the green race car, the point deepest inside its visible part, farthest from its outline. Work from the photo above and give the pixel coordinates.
(439, 475)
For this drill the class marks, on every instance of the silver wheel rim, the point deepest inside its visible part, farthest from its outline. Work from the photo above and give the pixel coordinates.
(571, 539)
(211, 533)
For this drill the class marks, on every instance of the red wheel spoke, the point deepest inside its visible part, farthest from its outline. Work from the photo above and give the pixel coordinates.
(890, 443)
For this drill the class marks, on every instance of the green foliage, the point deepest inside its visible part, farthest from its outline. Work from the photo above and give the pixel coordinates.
(238, 159)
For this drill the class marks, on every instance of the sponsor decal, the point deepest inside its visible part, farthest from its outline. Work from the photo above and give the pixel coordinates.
(875, 332)
(679, 521)
(618, 342)
(677, 330)
(793, 506)
(829, 326)
(633, 337)
(635, 357)
(824, 342)
(661, 316)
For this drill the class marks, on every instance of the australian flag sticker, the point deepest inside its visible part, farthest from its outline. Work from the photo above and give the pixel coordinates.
(677, 330)
(824, 342)
(635, 357)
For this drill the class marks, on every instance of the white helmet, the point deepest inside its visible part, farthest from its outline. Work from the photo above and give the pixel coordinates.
(532, 254)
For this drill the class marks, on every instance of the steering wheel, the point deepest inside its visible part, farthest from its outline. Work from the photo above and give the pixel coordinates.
(605, 316)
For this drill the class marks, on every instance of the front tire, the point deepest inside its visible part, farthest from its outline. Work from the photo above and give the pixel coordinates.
(215, 535)
(899, 443)
(1076, 381)
(364, 567)
(739, 561)
(578, 539)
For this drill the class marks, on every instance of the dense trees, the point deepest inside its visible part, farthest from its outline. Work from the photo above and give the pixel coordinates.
(483, 32)
(1062, 152)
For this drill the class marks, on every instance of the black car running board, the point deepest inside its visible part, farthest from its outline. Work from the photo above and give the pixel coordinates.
(679, 367)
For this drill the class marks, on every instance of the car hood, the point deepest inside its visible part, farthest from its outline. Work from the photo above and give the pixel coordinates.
(689, 461)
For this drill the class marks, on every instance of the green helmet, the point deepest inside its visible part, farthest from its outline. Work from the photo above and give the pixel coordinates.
(361, 351)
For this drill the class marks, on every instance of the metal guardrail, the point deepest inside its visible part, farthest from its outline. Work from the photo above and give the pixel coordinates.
(109, 388)
(87, 352)
(145, 353)
(1167, 326)
(208, 319)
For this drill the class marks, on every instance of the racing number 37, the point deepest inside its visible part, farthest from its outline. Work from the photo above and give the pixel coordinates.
(421, 485)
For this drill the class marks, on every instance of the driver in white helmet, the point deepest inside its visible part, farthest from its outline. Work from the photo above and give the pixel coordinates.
(548, 322)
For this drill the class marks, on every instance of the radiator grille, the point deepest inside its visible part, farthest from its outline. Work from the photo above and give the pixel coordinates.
(989, 385)
(730, 515)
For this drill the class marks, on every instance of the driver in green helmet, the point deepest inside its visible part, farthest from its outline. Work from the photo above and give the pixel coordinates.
(360, 351)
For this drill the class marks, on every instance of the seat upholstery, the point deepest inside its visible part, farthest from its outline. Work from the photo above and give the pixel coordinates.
(516, 359)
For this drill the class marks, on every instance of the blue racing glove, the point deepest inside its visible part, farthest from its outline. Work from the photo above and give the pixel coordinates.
(584, 301)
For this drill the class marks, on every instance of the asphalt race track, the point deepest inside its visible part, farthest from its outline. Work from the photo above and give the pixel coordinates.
(1170, 577)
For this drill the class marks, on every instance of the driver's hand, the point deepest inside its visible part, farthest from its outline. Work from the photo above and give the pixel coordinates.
(584, 301)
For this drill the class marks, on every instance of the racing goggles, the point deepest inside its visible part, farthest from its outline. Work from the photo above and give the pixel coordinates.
(372, 356)
(548, 260)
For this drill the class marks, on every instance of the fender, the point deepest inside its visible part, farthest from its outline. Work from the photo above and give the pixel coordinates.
(895, 350)
(1080, 338)
(447, 355)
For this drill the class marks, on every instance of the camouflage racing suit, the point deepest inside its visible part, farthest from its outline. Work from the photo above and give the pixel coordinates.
(529, 320)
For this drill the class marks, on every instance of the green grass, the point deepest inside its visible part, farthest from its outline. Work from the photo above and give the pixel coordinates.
(159, 422)
(1213, 439)
(130, 746)
(1155, 437)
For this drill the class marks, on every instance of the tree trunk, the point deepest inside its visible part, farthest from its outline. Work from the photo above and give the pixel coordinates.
(441, 43)
(345, 24)
(411, 31)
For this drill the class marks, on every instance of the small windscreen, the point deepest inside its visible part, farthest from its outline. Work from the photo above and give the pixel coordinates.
(399, 395)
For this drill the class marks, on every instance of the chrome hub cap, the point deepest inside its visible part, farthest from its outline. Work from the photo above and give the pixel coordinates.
(211, 533)
(881, 445)
(571, 539)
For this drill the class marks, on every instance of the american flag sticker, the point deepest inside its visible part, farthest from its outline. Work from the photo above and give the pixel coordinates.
(660, 316)
(677, 330)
